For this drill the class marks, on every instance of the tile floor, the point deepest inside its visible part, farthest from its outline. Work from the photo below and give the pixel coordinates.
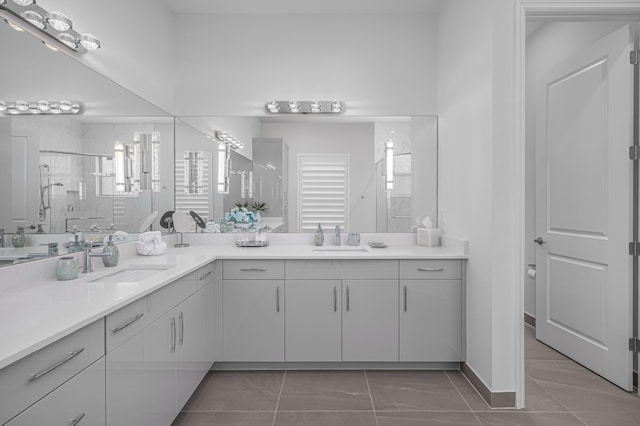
(558, 392)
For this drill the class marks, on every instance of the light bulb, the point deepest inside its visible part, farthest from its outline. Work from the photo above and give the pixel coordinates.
(68, 40)
(21, 106)
(43, 106)
(315, 106)
(89, 41)
(34, 18)
(65, 106)
(59, 21)
(3, 106)
(294, 106)
(336, 107)
(23, 2)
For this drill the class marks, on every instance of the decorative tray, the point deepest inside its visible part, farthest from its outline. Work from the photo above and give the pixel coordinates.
(252, 243)
(377, 244)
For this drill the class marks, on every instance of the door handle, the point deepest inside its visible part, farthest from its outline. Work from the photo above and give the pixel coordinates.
(540, 241)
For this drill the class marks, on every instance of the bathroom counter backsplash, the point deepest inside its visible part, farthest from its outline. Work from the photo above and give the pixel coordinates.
(37, 309)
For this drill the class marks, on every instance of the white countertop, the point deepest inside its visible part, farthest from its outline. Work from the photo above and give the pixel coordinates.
(37, 312)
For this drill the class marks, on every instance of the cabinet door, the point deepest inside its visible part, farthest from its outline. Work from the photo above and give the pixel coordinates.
(431, 320)
(192, 346)
(141, 387)
(253, 320)
(313, 317)
(370, 320)
(80, 400)
(214, 303)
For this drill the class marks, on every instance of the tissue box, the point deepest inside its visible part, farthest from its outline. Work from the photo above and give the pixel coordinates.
(428, 237)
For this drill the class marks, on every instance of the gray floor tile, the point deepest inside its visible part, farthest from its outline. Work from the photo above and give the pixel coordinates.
(325, 418)
(237, 391)
(425, 418)
(536, 399)
(325, 390)
(469, 393)
(414, 390)
(224, 419)
(610, 419)
(528, 419)
(534, 350)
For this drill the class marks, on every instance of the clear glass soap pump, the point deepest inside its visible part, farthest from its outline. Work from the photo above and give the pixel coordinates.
(319, 237)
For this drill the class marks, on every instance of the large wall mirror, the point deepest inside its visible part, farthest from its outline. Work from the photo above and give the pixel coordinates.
(364, 174)
(86, 175)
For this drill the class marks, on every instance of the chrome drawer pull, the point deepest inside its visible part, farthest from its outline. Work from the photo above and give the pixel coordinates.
(56, 365)
(278, 299)
(127, 324)
(253, 270)
(172, 345)
(77, 420)
(205, 276)
(431, 269)
(405, 298)
(348, 299)
(181, 328)
(335, 299)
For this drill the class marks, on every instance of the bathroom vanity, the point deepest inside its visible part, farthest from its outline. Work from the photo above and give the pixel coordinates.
(141, 336)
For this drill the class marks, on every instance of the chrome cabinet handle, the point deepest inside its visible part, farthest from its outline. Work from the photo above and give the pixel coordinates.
(48, 370)
(278, 299)
(127, 323)
(431, 269)
(253, 270)
(335, 299)
(205, 276)
(172, 344)
(540, 241)
(405, 298)
(77, 420)
(181, 328)
(348, 305)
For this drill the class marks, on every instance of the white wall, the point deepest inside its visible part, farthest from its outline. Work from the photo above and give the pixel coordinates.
(137, 43)
(477, 173)
(377, 64)
(552, 43)
(355, 139)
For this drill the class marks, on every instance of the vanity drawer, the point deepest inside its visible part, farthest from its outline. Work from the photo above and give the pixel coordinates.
(29, 379)
(206, 273)
(431, 269)
(253, 269)
(125, 323)
(341, 269)
(171, 295)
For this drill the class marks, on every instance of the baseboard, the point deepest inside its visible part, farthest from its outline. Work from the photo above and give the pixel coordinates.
(494, 399)
(530, 319)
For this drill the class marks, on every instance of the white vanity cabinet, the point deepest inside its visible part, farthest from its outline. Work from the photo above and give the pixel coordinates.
(28, 380)
(253, 305)
(150, 377)
(370, 320)
(80, 401)
(431, 310)
(313, 320)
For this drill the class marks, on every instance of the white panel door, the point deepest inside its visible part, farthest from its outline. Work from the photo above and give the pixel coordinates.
(312, 321)
(584, 208)
(370, 320)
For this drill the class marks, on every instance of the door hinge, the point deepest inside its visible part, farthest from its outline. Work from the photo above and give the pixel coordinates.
(634, 152)
(634, 344)
(634, 248)
(634, 57)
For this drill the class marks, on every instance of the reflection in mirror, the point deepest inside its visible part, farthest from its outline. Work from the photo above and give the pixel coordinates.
(366, 174)
(62, 174)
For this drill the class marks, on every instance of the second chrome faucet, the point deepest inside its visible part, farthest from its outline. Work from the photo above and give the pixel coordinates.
(338, 241)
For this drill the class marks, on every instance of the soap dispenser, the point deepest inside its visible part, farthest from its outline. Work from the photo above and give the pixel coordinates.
(112, 253)
(75, 246)
(18, 240)
(319, 237)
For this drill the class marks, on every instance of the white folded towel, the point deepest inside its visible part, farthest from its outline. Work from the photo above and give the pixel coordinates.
(151, 244)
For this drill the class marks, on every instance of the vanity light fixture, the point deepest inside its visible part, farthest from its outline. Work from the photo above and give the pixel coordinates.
(388, 181)
(304, 107)
(224, 167)
(40, 107)
(225, 137)
(55, 29)
(194, 172)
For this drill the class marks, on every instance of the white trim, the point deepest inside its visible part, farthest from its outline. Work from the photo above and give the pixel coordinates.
(578, 10)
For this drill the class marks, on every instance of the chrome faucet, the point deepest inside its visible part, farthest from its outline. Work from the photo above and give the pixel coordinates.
(87, 266)
(338, 242)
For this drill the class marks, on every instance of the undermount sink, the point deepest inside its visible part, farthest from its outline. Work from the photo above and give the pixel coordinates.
(341, 248)
(132, 273)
